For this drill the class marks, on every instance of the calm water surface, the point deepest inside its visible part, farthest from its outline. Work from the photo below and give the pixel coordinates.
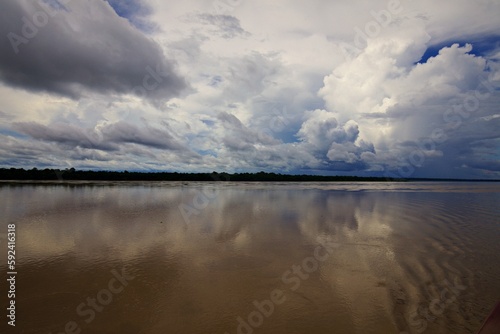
(252, 257)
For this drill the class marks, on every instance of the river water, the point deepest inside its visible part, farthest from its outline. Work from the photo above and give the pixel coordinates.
(303, 258)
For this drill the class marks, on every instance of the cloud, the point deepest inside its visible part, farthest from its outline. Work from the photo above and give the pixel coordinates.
(238, 137)
(415, 113)
(81, 47)
(321, 129)
(108, 137)
(337, 145)
(271, 88)
(123, 132)
(67, 135)
(249, 76)
(225, 26)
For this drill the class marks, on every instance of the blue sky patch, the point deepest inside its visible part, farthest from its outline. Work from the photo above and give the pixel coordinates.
(208, 122)
(55, 4)
(129, 9)
(481, 46)
(12, 133)
(135, 11)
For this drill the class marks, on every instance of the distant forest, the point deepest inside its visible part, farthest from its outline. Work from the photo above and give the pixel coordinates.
(71, 174)
(81, 175)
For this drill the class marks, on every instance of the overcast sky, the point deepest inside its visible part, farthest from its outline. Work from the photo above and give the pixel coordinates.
(386, 88)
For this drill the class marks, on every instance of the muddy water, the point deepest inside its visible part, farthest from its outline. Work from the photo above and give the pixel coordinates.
(252, 258)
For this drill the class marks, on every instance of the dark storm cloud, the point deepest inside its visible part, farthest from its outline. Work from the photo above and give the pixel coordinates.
(347, 167)
(108, 138)
(83, 45)
(64, 134)
(123, 132)
(489, 165)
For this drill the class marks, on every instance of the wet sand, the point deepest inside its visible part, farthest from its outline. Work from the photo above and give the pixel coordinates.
(251, 257)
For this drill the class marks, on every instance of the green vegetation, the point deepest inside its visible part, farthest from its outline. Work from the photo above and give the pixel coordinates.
(72, 174)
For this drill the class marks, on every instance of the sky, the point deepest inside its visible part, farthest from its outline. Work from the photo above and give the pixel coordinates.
(393, 88)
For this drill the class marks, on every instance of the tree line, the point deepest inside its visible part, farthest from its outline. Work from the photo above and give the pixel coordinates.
(71, 174)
